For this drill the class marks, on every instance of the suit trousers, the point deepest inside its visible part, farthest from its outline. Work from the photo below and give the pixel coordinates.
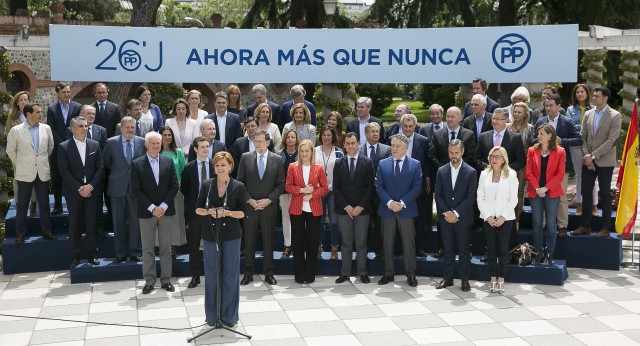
(456, 235)
(285, 200)
(24, 195)
(305, 234)
(148, 229)
(56, 181)
(229, 271)
(497, 248)
(563, 207)
(406, 228)
(354, 234)
(254, 223)
(421, 221)
(82, 211)
(126, 227)
(603, 175)
(194, 234)
(374, 238)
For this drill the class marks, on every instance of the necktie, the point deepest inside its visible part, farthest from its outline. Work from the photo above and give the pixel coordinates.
(89, 132)
(397, 170)
(496, 140)
(372, 153)
(453, 135)
(137, 128)
(261, 166)
(352, 166)
(129, 152)
(437, 127)
(203, 172)
(101, 109)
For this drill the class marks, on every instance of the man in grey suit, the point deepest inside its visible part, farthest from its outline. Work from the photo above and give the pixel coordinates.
(154, 183)
(119, 152)
(263, 174)
(134, 110)
(600, 131)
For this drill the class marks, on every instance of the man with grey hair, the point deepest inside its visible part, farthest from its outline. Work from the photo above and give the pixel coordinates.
(363, 108)
(396, 128)
(398, 184)
(297, 96)
(481, 120)
(154, 184)
(208, 129)
(480, 86)
(134, 111)
(259, 94)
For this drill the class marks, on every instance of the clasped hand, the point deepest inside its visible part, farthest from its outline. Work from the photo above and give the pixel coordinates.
(218, 213)
(495, 221)
(450, 217)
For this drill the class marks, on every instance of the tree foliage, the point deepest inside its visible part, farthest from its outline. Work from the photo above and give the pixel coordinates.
(381, 95)
(281, 14)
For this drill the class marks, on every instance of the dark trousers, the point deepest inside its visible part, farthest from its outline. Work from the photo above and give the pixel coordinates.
(254, 223)
(374, 237)
(24, 196)
(420, 222)
(497, 247)
(604, 175)
(194, 235)
(82, 212)
(456, 235)
(126, 226)
(305, 235)
(56, 181)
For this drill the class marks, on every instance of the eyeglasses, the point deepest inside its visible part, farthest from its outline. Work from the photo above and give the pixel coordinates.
(498, 119)
(495, 157)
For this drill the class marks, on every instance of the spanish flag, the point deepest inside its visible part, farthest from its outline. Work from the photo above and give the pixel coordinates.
(628, 179)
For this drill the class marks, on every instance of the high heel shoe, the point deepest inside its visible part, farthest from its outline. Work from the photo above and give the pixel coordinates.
(500, 288)
(287, 251)
(494, 287)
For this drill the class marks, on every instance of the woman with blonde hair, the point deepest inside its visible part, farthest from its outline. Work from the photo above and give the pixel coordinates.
(520, 124)
(235, 103)
(264, 116)
(194, 98)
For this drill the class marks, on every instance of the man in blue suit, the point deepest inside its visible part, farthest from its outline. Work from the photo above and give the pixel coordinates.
(455, 193)
(228, 127)
(398, 184)
(297, 94)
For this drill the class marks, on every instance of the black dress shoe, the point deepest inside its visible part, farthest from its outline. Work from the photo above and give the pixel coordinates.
(195, 281)
(365, 279)
(93, 260)
(412, 281)
(444, 284)
(19, 240)
(168, 287)
(48, 236)
(439, 254)
(385, 280)
(466, 287)
(119, 259)
(74, 263)
(147, 289)
(421, 253)
(56, 211)
(136, 258)
(246, 280)
(270, 280)
(342, 278)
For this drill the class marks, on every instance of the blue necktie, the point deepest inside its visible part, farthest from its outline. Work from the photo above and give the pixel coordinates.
(137, 129)
(397, 171)
(261, 166)
(372, 153)
(129, 152)
(101, 110)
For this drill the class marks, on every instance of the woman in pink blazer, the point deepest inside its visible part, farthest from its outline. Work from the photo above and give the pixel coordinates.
(307, 184)
(184, 128)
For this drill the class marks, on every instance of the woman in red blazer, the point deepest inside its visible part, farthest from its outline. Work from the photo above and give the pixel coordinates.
(545, 171)
(307, 184)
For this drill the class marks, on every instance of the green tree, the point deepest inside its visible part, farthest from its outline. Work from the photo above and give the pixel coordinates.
(381, 95)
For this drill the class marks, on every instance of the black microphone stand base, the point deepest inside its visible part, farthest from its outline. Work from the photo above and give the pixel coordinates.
(218, 325)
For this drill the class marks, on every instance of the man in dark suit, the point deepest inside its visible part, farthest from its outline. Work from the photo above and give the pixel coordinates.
(59, 115)
(396, 128)
(195, 172)
(80, 164)
(567, 136)
(261, 171)
(455, 193)
(353, 188)
(438, 152)
(155, 184)
(481, 120)
(435, 115)
(398, 183)
(480, 86)
(208, 129)
(134, 110)
(357, 125)
(228, 127)
(297, 93)
(108, 112)
(245, 144)
(375, 151)
(259, 94)
(118, 154)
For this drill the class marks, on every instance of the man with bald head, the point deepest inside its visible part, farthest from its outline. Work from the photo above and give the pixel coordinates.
(438, 152)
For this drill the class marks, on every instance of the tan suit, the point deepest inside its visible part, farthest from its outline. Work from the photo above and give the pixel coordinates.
(602, 144)
(21, 151)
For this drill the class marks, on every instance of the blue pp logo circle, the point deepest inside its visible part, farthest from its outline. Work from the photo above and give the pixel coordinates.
(511, 52)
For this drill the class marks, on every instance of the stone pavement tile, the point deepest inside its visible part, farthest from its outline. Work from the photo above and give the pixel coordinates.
(82, 298)
(96, 308)
(386, 338)
(583, 324)
(172, 338)
(58, 289)
(354, 312)
(512, 289)
(43, 276)
(312, 315)
(133, 340)
(302, 303)
(273, 332)
(424, 293)
(5, 277)
(478, 292)
(15, 339)
(632, 334)
(159, 302)
(24, 293)
(67, 310)
(97, 332)
(3, 286)
(112, 296)
(621, 322)
(592, 285)
(501, 341)
(605, 338)
(606, 308)
(251, 296)
(346, 300)
(72, 321)
(260, 306)
(493, 302)
(324, 328)
(626, 281)
(162, 313)
(185, 291)
(576, 297)
(128, 317)
(401, 309)
(485, 331)
(19, 314)
(374, 288)
(555, 311)
(390, 297)
(366, 325)
(633, 306)
(553, 340)
(435, 335)
(195, 300)
(452, 305)
(456, 343)
(567, 287)
(534, 299)
(607, 274)
(337, 290)
(462, 318)
(195, 310)
(511, 314)
(155, 326)
(263, 318)
(530, 328)
(287, 342)
(332, 340)
(65, 343)
(57, 335)
(421, 322)
(17, 326)
(114, 286)
(297, 293)
(617, 294)
(25, 284)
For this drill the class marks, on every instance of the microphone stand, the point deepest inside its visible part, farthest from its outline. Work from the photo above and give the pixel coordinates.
(216, 235)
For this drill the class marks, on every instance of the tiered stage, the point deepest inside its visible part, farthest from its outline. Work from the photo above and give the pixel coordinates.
(37, 255)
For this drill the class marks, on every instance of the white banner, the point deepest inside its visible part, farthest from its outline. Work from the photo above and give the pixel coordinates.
(452, 55)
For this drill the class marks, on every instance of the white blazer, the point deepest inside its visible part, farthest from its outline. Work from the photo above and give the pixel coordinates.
(20, 150)
(501, 203)
(191, 131)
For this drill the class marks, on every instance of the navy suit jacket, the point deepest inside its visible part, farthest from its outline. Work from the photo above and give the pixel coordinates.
(568, 131)
(356, 191)
(147, 191)
(393, 130)
(420, 152)
(73, 172)
(98, 134)
(382, 152)
(55, 120)
(190, 187)
(460, 198)
(110, 118)
(428, 130)
(354, 126)
(406, 188)
(119, 170)
(470, 123)
(217, 146)
(233, 129)
(240, 147)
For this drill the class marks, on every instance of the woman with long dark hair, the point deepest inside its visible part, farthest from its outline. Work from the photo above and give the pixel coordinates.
(150, 112)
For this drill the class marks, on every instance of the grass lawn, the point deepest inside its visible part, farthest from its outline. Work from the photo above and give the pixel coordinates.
(416, 109)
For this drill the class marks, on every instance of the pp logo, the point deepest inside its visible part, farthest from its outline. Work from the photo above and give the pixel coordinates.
(511, 52)
(127, 55)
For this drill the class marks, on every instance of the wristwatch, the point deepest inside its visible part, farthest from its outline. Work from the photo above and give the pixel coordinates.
(593, 157)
